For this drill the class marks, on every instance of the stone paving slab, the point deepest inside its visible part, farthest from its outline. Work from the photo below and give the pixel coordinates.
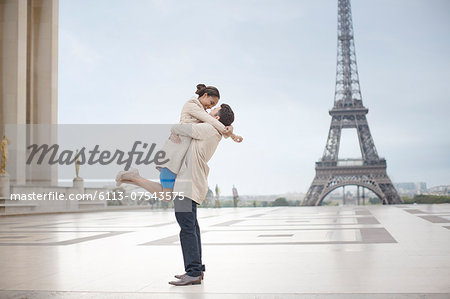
(400, 251)
(119, 295)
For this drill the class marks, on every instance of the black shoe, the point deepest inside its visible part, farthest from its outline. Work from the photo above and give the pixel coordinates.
(180, 276)
(187, 280)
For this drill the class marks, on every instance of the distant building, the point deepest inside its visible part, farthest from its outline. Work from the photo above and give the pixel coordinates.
(439, 190)
(411, 188)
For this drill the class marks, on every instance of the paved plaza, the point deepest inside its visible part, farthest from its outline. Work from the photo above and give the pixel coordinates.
(400, 251)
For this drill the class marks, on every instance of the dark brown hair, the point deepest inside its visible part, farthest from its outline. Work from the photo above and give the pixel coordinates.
(226, 115)
(210, 90)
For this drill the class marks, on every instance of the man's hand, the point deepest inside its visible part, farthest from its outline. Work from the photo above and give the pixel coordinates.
(175, 138)
(228, 131)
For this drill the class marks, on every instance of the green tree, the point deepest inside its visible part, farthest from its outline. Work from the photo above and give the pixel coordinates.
(427, 199)
(280, 202)
(375, 201)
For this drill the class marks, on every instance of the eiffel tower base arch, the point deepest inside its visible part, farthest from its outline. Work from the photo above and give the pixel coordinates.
(329, 177)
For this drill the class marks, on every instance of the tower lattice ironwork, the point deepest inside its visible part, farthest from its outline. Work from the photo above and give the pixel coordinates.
(348, 112)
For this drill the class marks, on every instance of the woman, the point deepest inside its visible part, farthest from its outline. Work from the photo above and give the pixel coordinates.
(176, 147)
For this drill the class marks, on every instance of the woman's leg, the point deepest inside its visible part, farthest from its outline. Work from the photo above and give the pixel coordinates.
(148, 185)
(166, 187)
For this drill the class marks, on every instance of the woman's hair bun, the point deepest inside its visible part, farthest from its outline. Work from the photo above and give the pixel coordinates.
(200, 88)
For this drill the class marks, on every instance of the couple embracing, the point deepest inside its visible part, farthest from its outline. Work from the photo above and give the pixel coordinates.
(191, 145)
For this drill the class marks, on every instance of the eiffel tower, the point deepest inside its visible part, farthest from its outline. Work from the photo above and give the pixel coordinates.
(348, 112)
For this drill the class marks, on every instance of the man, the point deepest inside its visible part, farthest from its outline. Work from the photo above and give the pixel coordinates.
(191, 186)
(192, 183)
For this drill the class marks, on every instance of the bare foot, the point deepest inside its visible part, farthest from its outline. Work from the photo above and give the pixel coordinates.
(127, 176)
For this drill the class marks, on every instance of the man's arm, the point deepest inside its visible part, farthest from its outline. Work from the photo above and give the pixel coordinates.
(203, 116)
(195, 131)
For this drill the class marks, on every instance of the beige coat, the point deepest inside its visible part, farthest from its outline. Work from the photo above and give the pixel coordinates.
(192, 112)
(192, 179)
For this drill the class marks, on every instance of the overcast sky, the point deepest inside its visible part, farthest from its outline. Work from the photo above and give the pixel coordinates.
(274, 62)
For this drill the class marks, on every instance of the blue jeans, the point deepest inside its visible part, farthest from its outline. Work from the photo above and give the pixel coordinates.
(191, 244)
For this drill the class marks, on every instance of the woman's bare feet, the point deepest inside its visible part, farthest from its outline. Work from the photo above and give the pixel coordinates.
(127, 176)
